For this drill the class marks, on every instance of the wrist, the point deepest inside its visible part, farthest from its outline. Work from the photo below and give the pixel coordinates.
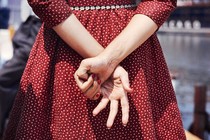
(111, 59)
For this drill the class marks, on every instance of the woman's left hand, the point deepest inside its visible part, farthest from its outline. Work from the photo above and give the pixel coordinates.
(115, 90)
(99, 67)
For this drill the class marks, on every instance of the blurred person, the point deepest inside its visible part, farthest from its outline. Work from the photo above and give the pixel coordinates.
(49, 103)
(11, 71)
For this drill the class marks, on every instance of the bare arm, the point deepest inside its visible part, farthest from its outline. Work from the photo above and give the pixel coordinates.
(137, 32)
(76, 36)
(57, 14)
(149, 15)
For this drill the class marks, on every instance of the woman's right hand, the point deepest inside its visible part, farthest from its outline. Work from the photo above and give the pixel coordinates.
(114, 89)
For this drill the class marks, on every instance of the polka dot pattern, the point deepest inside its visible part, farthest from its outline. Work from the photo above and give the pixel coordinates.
(46, 11)
(49, 104)
(158, 11)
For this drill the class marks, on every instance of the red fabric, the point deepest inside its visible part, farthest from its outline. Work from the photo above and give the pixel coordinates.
(49, 104)
(158, 11)
(46, 11)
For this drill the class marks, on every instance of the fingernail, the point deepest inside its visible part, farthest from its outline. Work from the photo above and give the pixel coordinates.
(124, 125)
(97, 95)
(99, 81)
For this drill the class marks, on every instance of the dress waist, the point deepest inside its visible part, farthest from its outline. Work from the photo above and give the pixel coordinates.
(105, 7)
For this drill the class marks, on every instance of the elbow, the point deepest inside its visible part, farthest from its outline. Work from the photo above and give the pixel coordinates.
(38, 4)
(33, 3)
(174, 4)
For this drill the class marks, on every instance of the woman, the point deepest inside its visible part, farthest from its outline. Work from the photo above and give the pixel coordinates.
(48, 105)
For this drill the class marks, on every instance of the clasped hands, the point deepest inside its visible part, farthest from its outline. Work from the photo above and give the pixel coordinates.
(96, 76)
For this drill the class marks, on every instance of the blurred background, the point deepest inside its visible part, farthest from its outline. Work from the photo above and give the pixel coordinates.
(185, 40)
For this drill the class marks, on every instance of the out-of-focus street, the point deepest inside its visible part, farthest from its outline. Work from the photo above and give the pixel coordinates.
(188, 57)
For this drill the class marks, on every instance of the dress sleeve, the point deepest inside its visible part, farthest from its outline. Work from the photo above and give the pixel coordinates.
(51, 12)
(157, 10)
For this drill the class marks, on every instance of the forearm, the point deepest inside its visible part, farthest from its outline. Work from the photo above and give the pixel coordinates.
(78, 38)
(136, 32)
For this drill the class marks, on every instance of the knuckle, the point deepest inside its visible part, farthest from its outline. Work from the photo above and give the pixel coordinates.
(82, 62)
(124, 104)
(126, 72)
(75, 75)
(82, 89)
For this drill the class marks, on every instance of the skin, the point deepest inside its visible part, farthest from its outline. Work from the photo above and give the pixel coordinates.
(139, 29)
(72, 32)
(102, 62)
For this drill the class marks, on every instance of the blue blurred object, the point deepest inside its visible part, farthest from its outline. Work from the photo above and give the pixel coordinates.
(4, 17)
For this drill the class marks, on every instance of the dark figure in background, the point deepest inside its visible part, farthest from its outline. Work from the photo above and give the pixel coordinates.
(4, 17)
(12, 70)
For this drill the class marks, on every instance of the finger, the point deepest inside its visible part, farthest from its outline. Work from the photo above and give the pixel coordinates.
(98, 93)
(103, 103)
(84, 86)
(93, 90)
(125, 82)
(82, 71)
(79, 80)
(125, 110)
(112, 113)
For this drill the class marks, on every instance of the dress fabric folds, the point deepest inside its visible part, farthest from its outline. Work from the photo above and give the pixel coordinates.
(49, 105)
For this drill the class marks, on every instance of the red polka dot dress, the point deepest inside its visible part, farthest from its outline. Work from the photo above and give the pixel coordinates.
(50, 106)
